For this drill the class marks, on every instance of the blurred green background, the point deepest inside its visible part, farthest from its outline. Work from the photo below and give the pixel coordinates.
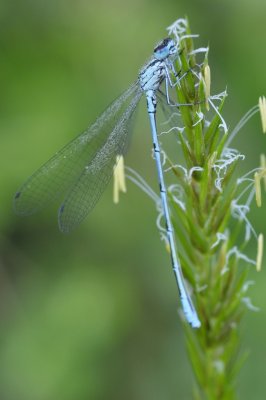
(93, 315)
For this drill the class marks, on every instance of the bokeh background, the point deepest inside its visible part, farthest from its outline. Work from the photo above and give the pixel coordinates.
(93, 315)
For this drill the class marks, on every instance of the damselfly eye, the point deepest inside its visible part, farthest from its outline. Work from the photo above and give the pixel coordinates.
(165, 48)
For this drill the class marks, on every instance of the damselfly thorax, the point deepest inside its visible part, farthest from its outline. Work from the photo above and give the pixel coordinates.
(156, 70)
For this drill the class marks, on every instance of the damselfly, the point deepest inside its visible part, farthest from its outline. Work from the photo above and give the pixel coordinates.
(80, 171)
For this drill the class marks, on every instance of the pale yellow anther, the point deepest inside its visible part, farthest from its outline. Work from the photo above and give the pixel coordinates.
(257, 178)
(259, 252)
(167, 246)
(119, 178)
(263, 166)
(207, 83)
(223, 253)
(212, 160)
(262, 107)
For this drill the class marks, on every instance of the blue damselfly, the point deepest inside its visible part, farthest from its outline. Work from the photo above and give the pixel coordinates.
(80, 171)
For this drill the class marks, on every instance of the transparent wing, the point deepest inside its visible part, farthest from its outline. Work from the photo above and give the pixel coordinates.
(89, 187)
(171, 113)
(65, 169)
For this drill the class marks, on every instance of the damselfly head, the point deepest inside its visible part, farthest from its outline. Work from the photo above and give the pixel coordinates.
(165, 48)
